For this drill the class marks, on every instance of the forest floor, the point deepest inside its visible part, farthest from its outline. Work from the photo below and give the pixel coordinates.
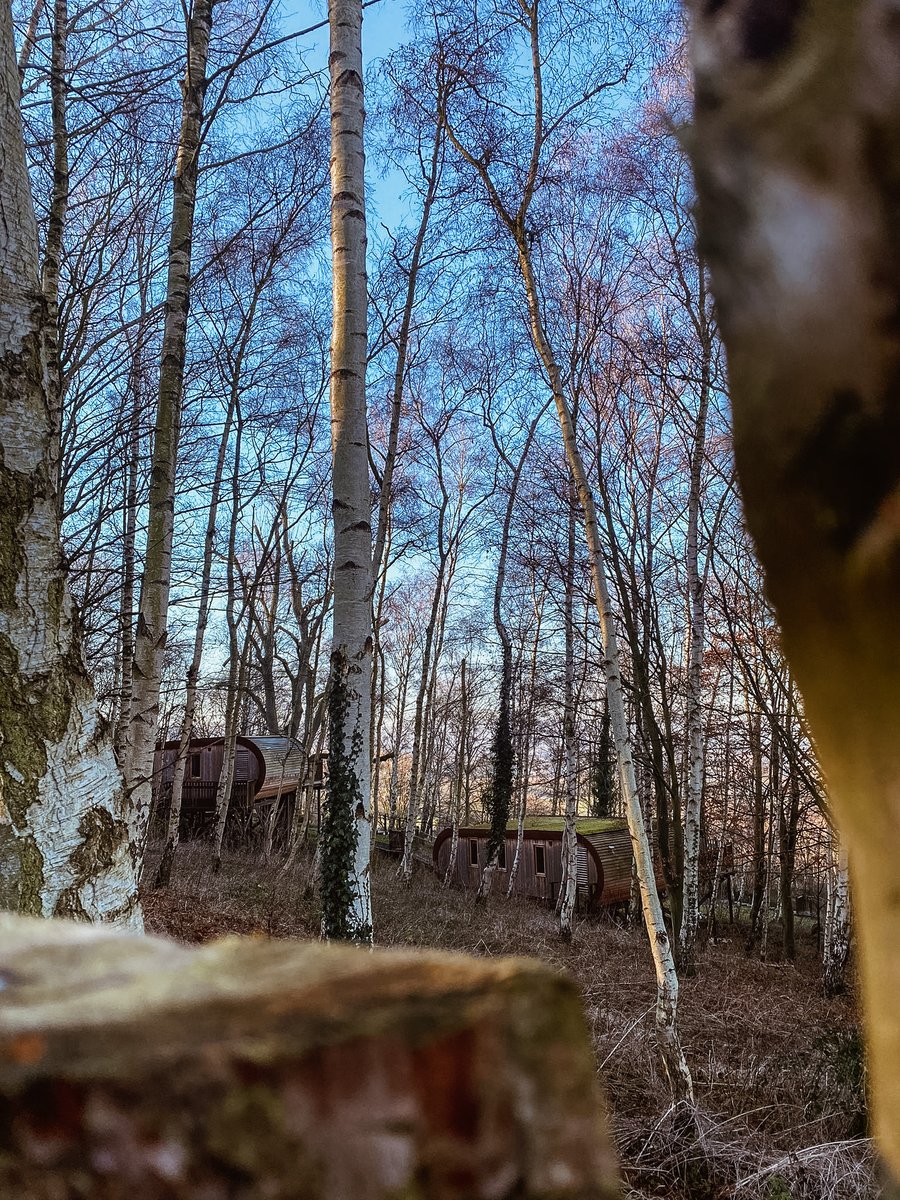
(778, 1069)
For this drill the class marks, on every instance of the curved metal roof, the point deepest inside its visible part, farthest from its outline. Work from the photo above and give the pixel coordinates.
(283, 758)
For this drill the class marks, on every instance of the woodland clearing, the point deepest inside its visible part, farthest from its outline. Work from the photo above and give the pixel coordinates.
(778, 1068)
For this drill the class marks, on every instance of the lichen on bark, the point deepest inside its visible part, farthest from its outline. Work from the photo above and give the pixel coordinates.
(55, 765)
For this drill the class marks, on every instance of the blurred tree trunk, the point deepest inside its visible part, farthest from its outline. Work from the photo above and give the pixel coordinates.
(346, 834)
(796, 148)
(69, 843)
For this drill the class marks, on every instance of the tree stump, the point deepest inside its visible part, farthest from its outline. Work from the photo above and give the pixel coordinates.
(138, 1068)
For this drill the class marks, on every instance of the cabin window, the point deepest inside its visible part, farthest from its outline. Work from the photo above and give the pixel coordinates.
(501, 856)
(195, 766)
(540, 863)
(473, 852)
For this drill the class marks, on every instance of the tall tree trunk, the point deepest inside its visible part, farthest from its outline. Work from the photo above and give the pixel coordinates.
(528, 740)
(30, 38)
(690, 916)
(660, 945)
(56, 224)
(787, 854)
(152, 627)
(68, 837)
(569, 884)
(129, 547)
(726, 788)
(173, 826)
(345, 838)
(838, 930)
(759, 833)
(419, 734)
(460, 775)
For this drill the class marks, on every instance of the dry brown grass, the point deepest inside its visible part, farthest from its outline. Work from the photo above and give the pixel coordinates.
(777, 1067)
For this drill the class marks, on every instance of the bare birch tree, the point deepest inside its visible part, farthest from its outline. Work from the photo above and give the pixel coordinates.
(69, 844)
(513, 215)
(345, 873)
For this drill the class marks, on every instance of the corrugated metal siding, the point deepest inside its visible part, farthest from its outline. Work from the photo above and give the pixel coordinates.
(283, 758)
(614, 850)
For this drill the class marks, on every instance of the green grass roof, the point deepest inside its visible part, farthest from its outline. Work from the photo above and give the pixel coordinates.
(584, 825)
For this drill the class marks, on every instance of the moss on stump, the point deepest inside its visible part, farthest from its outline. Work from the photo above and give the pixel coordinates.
(136, 1068)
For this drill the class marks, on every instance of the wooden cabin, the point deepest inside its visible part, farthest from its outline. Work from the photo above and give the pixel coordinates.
(267, 771)
(604, 859)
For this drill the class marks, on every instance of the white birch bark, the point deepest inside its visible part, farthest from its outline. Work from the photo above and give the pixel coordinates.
(352, 628)
(838, 927)
(660, 946)
(68, 838)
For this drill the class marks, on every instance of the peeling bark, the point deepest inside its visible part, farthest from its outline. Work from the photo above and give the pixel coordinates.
(67, 831)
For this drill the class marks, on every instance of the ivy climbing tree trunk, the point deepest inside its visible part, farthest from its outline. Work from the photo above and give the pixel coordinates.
(500, 788)
(150, 639)
(797, 155)
(347, 830)
(68, 840)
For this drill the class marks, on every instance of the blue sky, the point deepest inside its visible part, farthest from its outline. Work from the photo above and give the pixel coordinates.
(384, 28)
(383, 25)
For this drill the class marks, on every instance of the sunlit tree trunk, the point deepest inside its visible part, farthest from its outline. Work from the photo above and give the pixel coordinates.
(660, 946)
(69, 841)
(345, 838)
(152, 627)
(515, 223)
